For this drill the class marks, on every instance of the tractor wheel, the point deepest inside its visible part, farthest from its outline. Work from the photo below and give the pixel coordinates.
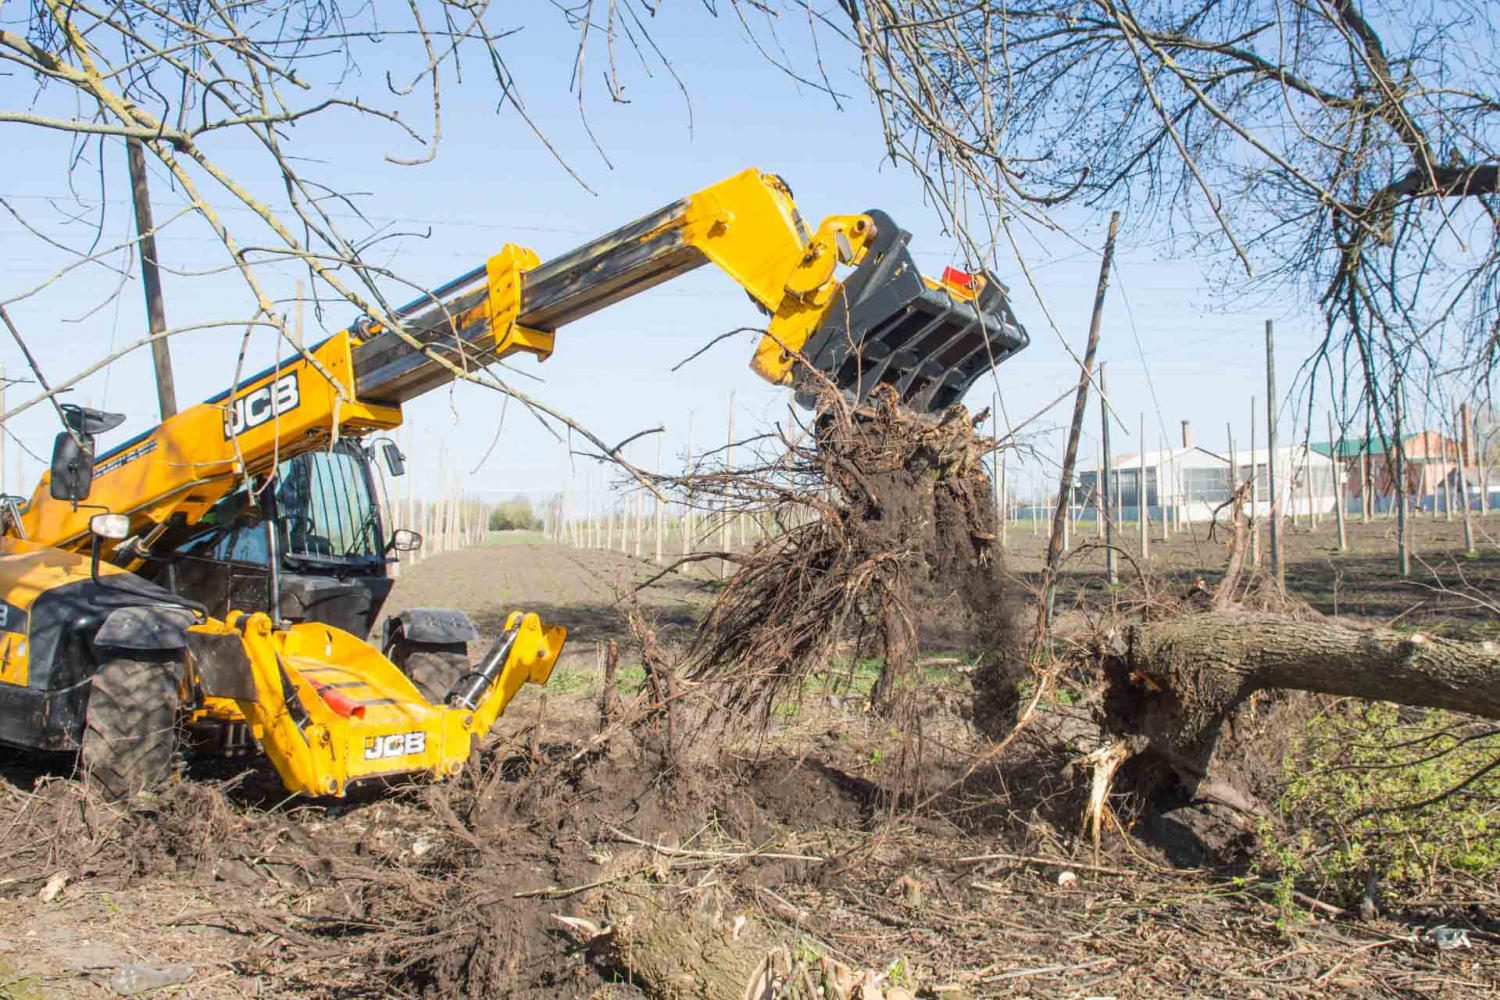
(434, 669)
(130, 727)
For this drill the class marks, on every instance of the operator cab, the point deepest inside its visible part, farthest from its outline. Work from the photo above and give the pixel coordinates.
(327, 543)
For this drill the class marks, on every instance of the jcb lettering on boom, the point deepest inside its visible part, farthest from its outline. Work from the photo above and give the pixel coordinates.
(255, 408)
(397, 745)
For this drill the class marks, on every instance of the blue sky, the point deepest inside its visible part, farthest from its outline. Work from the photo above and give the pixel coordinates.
(1171, 354)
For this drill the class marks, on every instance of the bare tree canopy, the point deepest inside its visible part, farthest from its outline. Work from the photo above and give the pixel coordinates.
(223, 96)
(1338, 151)
(1334, 153)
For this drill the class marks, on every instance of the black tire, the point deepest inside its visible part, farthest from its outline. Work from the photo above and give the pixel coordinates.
(130, 731)
(434, 668)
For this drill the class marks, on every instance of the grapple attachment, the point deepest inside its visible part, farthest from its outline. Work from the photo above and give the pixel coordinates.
(889, 325)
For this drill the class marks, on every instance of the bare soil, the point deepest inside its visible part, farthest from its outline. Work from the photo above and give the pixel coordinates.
(909, 852)
(1446, 592)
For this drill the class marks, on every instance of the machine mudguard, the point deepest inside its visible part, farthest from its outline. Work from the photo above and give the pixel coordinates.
(428, 625)
(145, 627)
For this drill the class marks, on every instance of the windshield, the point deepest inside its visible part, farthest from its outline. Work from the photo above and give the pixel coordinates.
(325, 505)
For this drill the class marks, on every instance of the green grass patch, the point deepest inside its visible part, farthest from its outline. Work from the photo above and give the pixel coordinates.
(627, 678)
(857, 678)
(1375, 786)
(16, 986)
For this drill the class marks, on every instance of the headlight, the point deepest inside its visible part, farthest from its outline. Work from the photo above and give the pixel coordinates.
(110, 525)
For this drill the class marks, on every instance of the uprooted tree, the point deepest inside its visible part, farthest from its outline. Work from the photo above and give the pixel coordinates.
(898, 505)
(901, 507)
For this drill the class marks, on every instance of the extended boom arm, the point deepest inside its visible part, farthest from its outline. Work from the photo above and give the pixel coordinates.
(884, 324)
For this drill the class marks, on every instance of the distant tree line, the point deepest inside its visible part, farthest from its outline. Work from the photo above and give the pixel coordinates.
(514, 515)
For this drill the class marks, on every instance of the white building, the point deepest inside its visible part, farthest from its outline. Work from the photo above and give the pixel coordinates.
(1194, 482)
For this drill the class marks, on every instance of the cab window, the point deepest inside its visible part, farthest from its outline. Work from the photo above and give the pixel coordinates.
(326, 508)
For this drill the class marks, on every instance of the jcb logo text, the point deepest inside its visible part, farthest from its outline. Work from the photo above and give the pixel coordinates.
(255, 408)
(398, 745)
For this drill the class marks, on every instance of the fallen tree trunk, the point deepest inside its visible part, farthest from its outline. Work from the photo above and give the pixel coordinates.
(682, 956)
(1175, 682)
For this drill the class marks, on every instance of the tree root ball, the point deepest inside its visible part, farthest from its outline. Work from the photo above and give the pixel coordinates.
(906, 515)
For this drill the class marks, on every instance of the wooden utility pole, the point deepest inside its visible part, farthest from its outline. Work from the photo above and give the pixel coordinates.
(1338, 490)
(1277, 569)
(156, 313)
(1111, 559)
(1057, 542)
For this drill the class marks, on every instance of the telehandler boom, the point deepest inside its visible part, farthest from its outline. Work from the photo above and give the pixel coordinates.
(240, 561)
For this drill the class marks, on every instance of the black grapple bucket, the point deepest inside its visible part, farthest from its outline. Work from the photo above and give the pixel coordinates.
(889, 327)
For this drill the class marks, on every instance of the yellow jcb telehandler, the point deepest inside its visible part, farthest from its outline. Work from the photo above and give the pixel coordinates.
(217, 574)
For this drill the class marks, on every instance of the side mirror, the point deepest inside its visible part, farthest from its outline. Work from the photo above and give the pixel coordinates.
(394, 460)
(405, 540)
(72, 467)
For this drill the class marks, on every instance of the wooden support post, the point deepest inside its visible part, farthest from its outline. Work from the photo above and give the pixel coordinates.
(661, 508)
(995, 467)
(1481, 461)
(1111, 558)
(1338, 489)
(640, 519)
(1143, 497)
(1463, 479)
(1277, 569)
(1447, 477)
(1004, 511)
(1234, 461)
(1402, 546)
(1254, 490)
(1164, 493)
(728, 467)
(1097, 493)
(156, 313)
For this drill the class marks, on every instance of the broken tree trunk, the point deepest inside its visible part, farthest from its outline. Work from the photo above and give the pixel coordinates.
(1175, 682)
(684, 956)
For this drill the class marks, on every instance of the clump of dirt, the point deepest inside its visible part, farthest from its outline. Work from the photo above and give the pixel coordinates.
(907, 514)
(184, 827)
